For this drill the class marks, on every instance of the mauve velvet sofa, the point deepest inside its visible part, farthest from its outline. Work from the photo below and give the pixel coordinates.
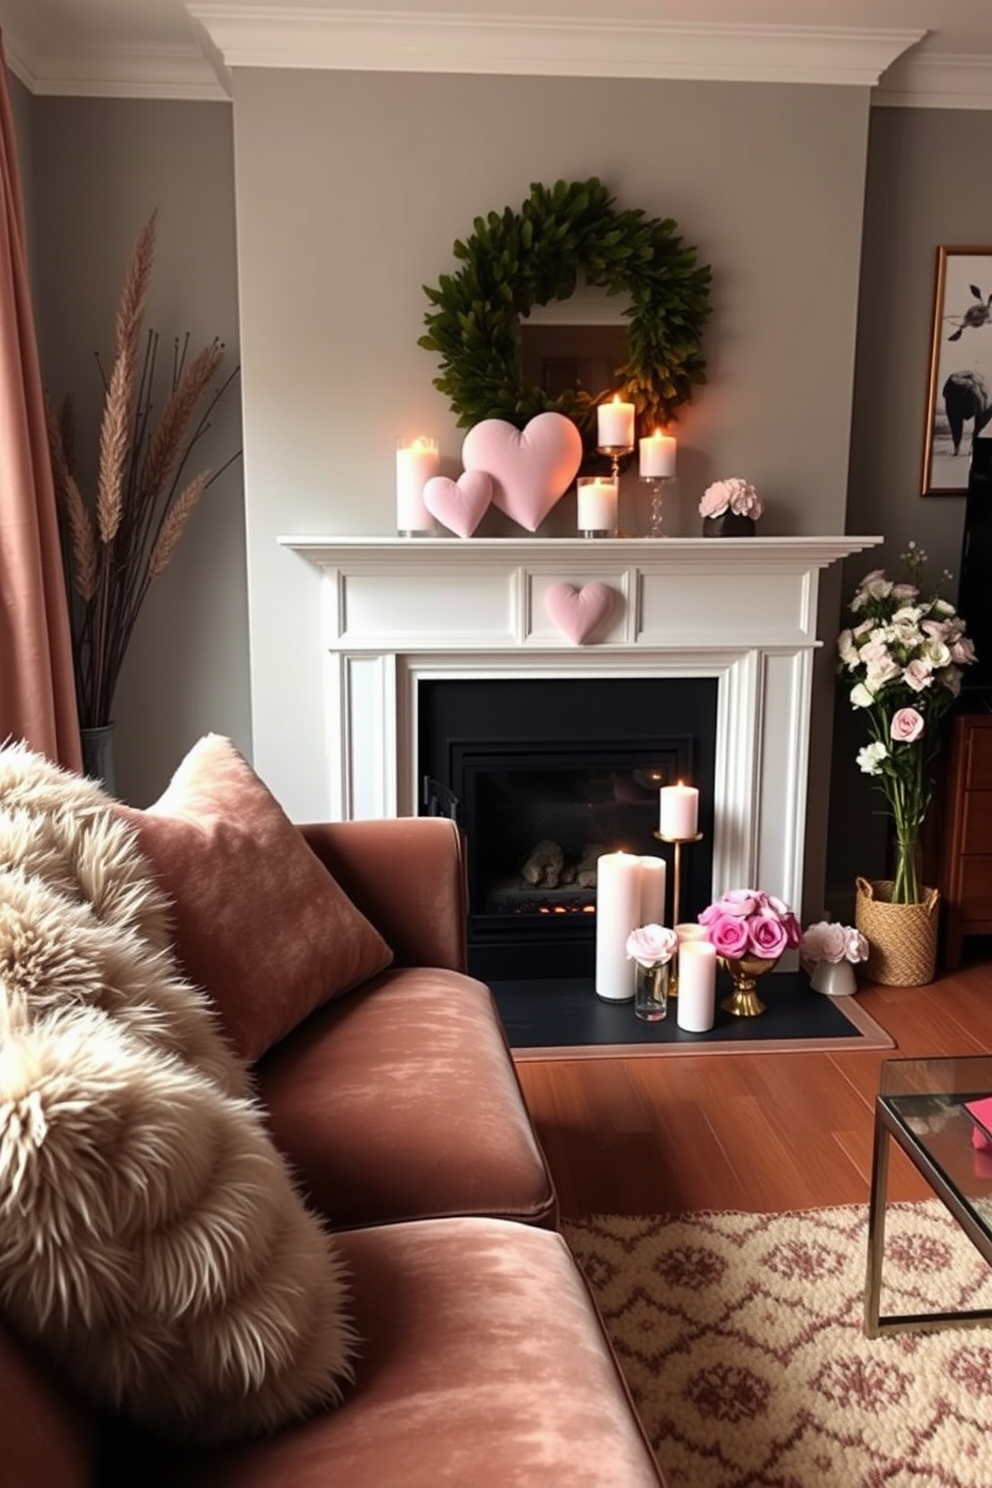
(483, 1360)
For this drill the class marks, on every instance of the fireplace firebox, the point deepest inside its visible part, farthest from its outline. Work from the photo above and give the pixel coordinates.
(542, 776)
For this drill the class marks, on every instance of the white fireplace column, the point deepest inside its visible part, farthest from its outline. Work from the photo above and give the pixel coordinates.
(396, 612)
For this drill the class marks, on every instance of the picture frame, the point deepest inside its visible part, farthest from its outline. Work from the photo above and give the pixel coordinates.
(959, 401)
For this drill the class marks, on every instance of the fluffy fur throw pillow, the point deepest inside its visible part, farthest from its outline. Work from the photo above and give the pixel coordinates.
(151, 1237)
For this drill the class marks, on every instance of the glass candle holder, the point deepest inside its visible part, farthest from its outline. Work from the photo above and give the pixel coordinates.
(651, 992)
(597, 499)
(417, 461)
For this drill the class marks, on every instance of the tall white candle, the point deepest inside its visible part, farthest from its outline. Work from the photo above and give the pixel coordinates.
(618, 911)
(679, 811)
(615, 424)
(597, 503)
(653, 872)
(657, 455)
(417, 461)
(696, 1001)
(691, 930)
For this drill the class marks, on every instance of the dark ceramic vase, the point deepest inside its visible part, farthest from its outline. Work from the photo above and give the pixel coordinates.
(730, 524)
(98, 756)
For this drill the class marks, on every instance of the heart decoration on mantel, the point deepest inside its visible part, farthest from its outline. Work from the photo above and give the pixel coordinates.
(531, 468)
(577, 612)
(459, 505)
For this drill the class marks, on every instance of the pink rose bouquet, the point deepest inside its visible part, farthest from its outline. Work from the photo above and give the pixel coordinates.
(749, 922)
(651, 946)
(733, 495)
(902, 657)
(827, 941)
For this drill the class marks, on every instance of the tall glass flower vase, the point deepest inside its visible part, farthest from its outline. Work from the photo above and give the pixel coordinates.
(98, 756)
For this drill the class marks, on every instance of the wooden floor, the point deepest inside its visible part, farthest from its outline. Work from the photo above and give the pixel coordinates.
(761, 1132)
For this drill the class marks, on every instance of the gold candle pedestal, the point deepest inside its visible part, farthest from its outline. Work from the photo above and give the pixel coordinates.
(677, 843)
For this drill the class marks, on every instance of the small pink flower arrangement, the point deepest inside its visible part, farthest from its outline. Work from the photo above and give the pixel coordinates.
(749, 922)
(826, 941)
(651, 946)
(733, 495)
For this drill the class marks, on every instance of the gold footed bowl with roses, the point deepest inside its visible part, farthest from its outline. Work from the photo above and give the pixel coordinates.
(744, 1001)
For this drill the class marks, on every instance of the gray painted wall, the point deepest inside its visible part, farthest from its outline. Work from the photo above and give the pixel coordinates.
(339, 226)
(351, 189)
(99, 167)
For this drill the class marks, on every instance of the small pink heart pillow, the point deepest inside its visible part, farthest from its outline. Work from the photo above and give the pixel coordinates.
(531, 468)
(577, 612)
(459, 505)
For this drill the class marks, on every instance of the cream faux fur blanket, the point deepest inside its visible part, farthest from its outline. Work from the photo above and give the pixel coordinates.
(151, 1238)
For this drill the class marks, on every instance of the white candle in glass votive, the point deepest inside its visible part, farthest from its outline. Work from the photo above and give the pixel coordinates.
(417, 461)
(653, 872)
(597, 497)
(696, 1002)
(615, 424)
(618, 912)
(679, 811)
(657, 455)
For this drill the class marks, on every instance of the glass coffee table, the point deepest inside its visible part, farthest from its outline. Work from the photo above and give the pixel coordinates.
(920, 1107)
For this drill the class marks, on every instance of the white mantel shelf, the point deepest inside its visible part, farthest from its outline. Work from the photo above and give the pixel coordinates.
(398, 612)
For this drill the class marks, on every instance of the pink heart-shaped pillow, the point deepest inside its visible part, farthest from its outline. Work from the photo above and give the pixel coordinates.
(459, 505)
(531, 468)
(577, 612)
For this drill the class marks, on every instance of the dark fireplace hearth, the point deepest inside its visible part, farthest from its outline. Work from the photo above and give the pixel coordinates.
(542, 775)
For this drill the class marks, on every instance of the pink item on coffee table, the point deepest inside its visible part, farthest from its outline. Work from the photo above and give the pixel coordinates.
(577, 612)
(531, 469)
(459, 505)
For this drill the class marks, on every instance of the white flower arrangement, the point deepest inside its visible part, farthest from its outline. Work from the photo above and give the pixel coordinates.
(903, 657)
(827, 941)
(731, 495)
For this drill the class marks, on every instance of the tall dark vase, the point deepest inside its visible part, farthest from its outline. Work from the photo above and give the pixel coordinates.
(98, 756)
(730, 524)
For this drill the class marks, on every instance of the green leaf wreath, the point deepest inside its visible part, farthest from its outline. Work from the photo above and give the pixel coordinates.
(516, 260)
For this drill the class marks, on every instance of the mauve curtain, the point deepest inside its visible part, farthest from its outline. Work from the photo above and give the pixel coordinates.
(37, 693)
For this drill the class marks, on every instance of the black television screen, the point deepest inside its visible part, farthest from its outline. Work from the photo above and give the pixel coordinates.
(975, 582)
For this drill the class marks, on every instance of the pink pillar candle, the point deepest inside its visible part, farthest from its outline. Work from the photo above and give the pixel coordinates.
(679, 811)
(697, 986)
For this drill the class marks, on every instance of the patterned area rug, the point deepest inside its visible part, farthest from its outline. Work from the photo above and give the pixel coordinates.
(740, 1336)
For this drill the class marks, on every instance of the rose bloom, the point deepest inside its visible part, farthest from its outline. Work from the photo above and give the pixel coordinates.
(768, 936)
(825, 941)
(651, 945)
(917, 675)
(729, 935)
(861, 697)
(738, 903)
(857, 945)
(906, 726)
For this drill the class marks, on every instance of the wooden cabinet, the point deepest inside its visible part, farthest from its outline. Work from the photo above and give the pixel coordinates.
(966, 850)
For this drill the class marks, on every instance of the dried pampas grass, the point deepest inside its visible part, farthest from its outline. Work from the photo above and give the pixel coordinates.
(144, 496)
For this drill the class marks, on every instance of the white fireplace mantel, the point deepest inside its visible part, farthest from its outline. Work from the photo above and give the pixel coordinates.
(399, 611)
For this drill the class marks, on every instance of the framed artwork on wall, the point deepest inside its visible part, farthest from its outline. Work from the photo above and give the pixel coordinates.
(959, 403)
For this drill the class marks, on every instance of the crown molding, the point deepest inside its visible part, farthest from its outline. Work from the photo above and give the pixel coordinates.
(313, 36)
(944, 80)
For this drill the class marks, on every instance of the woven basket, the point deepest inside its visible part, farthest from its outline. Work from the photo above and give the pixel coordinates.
(902, 938)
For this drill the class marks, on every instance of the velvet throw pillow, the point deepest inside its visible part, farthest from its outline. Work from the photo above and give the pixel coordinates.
(260, 924)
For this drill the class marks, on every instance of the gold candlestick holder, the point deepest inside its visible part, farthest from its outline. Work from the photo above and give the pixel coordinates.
(677, 843)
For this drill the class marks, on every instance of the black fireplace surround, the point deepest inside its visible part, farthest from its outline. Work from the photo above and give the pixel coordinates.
(573, 762)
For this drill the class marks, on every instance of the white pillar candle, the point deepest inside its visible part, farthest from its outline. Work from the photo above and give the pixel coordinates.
(679, 813)
(597, 503)
(691, 930)
(653, 891)
(657, 458)
(417, 461)
(618, 912)
(615, 424)
(696, 1001)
